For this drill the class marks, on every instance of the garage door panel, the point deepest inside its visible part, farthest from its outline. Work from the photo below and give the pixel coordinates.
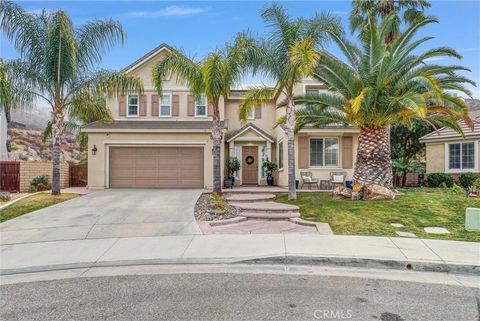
(156, 167)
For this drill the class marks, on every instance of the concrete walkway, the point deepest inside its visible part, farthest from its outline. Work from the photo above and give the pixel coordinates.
(108, 214)
(379, 252)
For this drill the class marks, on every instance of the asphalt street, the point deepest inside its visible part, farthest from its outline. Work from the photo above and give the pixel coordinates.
(240, 297)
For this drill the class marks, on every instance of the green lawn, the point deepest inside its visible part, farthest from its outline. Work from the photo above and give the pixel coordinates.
(416, 209)
(33, 203)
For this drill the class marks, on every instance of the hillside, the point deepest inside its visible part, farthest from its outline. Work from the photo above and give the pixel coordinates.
(27, 145)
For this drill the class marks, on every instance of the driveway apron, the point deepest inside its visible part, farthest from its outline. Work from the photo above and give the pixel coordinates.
(108, 214)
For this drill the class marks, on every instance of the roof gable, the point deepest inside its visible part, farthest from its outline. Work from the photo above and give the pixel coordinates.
(149, 55)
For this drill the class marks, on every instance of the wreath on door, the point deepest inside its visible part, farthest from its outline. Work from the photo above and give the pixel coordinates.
(249, 160)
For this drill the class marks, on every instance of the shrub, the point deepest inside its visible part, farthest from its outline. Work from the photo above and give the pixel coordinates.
(476, 184)
(269, 166)
(466, 180)
(216, 202)
(233, 165)
(457, 190)
(439, 180)
(40, 183)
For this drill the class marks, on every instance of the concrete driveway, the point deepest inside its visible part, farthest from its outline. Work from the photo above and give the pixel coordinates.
(107, 214)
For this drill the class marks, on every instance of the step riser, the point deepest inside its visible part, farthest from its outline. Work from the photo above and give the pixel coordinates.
(264, 216)
(252, 201)
(270, 212)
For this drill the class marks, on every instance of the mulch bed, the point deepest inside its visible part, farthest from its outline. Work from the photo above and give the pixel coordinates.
(203, 212)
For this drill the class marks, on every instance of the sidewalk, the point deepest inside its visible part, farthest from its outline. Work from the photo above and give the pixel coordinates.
(361, 251)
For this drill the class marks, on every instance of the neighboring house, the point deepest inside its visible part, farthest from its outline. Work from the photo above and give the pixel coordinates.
(3, 136)
(448, 152)
(165, 141)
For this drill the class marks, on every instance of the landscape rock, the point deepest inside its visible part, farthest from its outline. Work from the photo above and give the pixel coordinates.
(342, 192)
(378, 193)
(5, 197)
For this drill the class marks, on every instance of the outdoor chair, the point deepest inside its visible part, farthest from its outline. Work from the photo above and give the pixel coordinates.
(337, 179)
(307, 179)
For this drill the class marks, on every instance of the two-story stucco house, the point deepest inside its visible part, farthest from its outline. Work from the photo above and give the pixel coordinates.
(164, 141)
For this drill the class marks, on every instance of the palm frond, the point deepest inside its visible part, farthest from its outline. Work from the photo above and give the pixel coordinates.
(253, 97)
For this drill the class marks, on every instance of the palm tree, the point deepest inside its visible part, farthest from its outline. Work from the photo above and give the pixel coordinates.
(383, 84)
(60, 62)
(287, 56)
(410, 10)
(15, 92)
(90, 108)
(213, 77)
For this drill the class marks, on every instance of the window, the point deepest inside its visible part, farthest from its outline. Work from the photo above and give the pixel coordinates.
(314, 92)
(324, 152)
(251, 114)
(166, 106)
(461, 156)
(132, 108)
(201, 106)
(280, 155)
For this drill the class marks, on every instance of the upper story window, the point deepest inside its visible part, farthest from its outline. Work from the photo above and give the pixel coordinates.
(132, 108)
(312, 92)
(461, 156)
(251, 114)
(201, 106)
(166, 105)
(324, 152)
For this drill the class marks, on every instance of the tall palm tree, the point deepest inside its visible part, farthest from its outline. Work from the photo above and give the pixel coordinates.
(213, 77)
(90, 108)
(61, 61)
(287, 56)
(406, 11)
(15, 92)
(382, 84)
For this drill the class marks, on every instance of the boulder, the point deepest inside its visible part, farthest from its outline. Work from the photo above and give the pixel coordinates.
(341, 192)
(378, 193)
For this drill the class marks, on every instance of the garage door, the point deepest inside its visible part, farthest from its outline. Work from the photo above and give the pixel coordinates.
(149, 167)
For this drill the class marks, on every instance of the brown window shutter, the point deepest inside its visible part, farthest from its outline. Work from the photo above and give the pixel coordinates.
(347, 152)
(191, 105)
(154, 105)
(303, 151)
(210, 110)
(175, 105)
(122, 105)
(258, 111)
(143, 105)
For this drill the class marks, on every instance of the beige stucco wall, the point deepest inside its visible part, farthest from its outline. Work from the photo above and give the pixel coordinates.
(171, 85)
(266, 122)
(435, 157)
(98, 164)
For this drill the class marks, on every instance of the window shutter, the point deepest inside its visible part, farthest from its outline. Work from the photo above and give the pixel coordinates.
(191, 105)
(347, 152)
(303, 149)
(154, 105)
(210, 110)
(143, 105)
(258, 111)
(175, 105)
(122, 105)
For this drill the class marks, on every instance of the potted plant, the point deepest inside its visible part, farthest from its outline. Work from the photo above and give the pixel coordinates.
(233, 165)
(269, 167)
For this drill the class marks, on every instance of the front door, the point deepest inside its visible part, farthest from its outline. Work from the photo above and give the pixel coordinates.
(250, 165)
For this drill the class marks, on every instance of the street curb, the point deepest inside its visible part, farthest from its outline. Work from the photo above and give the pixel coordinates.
(406, 265)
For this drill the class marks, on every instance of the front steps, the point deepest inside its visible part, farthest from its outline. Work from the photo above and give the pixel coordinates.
(261, 206)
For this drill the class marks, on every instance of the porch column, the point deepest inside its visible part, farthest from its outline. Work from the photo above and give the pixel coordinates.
(231, 147)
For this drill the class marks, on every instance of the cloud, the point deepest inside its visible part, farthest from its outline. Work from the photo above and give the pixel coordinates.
(171, 11)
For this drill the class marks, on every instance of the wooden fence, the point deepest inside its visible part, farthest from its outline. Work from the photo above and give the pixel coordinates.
(78, 175)
(10, 176)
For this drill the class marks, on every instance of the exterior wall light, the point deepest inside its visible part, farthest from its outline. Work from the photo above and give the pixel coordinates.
(94, 150)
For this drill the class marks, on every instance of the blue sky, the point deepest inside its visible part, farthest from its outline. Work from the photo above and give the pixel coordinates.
(198, 26)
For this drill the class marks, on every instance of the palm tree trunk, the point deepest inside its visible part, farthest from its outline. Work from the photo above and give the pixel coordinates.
(217, 141)
(292, 191)
(57, 132)
(373, 165)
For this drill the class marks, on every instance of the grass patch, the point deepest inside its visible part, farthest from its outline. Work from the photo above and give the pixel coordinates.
(33, 203)
(415, 209)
